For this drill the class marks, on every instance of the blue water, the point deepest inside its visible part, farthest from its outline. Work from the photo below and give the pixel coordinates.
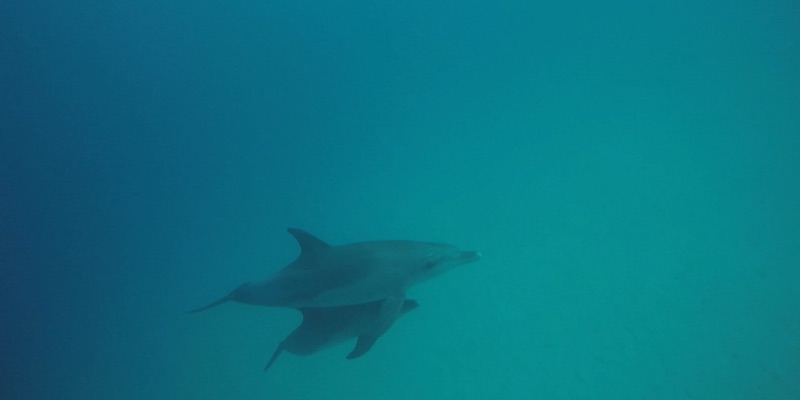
(630, 171)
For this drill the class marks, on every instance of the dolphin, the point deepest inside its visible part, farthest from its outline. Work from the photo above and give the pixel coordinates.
(351, 274)
(325, 327)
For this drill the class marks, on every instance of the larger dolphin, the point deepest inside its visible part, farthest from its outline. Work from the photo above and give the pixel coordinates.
(357, 273)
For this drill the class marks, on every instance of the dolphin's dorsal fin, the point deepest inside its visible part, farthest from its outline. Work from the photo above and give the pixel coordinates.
(309, 244)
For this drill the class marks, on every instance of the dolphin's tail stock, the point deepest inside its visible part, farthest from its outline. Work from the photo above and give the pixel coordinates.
(225, 299)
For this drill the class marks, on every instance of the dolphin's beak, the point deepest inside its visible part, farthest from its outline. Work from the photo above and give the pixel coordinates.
(470, 256)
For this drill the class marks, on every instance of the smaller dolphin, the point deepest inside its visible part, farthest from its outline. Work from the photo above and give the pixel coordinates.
(325, 327)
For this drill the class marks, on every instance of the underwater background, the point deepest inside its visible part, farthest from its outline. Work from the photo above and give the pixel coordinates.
(630, 171)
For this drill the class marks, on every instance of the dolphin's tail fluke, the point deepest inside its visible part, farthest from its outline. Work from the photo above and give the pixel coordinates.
(214, 304)
(225, 299)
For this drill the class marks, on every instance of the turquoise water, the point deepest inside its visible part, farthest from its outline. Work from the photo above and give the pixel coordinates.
(629, 170)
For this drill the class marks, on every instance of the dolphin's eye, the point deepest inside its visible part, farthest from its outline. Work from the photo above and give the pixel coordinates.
(430, 265)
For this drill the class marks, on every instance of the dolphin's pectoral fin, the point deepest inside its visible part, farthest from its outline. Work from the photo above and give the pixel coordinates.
(274, 357)
(409, 305)
(391, 308)
(363, 345)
